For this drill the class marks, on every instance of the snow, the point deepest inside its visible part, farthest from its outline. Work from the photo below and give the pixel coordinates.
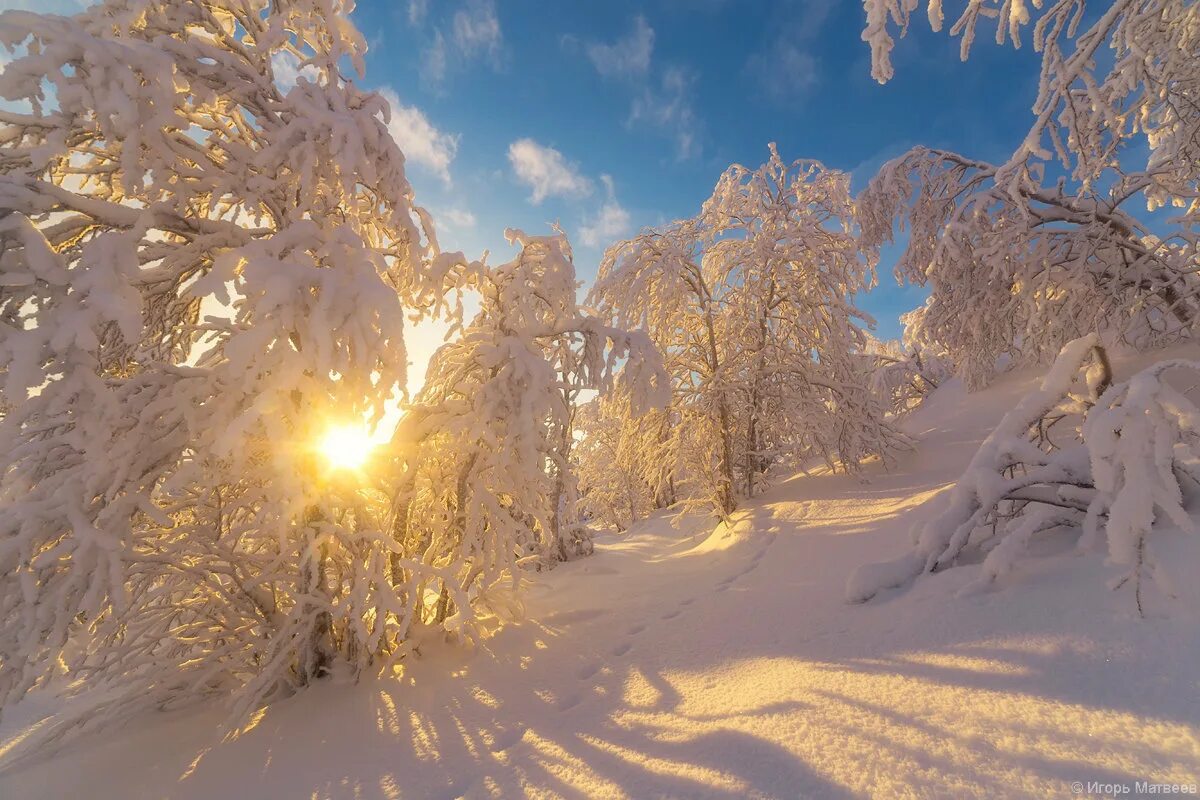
(679, 663)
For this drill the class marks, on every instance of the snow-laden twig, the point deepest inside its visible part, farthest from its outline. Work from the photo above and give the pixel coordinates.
(1119, 475)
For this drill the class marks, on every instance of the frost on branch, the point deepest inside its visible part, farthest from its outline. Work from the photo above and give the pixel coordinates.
(198, 272)
(1129, 72)
(1080, 452)
(487, 488)
(1016, 270)
(626, 461)
(1019, 263)
(751, 304)
(905, 372)
(1126, 73)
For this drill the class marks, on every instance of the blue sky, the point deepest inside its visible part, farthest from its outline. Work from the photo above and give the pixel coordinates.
(608, 117)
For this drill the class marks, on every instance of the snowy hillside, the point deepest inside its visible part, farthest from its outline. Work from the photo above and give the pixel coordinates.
(675, 663)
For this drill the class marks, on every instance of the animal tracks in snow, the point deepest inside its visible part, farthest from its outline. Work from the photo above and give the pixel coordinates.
(755, 563)
(588, 671)
(568, 702)
(507, 739)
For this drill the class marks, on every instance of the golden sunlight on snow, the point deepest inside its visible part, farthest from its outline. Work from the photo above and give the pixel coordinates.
(881, 726)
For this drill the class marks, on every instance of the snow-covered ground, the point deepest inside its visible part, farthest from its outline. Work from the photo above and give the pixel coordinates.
(675, 663)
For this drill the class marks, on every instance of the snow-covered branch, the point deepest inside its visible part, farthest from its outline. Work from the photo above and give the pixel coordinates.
(751, 305)
(1080, 452)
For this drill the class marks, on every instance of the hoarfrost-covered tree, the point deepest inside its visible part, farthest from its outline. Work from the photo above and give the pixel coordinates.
(625, 461)
(488, 488)
(750, 302)
(904, 373)
(199, 271)
(1016, 270)
(658, 282)
(1111, 459)
(1089, 103)
(1018, 263)
(782, 238)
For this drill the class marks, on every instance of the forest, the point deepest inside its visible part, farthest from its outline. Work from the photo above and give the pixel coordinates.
(221, 504)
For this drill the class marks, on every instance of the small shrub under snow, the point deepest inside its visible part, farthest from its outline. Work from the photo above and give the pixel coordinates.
(1131, 445)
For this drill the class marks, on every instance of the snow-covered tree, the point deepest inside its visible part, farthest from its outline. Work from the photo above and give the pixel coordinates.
(199, 272)
(750, 302)
(625, 461)
(1089, 103)
(782, 238)
(487, 487)
(1080, 452)
(904, 373)
(1016, 271)
(658, 282)
(1018, 262)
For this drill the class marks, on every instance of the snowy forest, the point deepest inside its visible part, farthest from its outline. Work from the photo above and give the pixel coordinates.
(678, 523)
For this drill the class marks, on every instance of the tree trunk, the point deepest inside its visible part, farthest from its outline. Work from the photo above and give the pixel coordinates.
(725, 499)
(316, 650)
(754, 461)
(560, 548)
(445, 605)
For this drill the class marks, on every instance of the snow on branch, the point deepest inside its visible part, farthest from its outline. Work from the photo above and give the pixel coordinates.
(751, 303)
(1017, 270)
(488, 489)
(1018, 267)
(1079, 452)
(200, 268)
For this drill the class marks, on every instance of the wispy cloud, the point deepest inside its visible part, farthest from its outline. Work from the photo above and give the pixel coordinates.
(661, 97)
(473, 33)
(668, 107)
(417, 10)
(545, 171)
(610, 222)
(629, 55)
(477, 29)
(455, 219)
(783, 71)
(287, 70)
(434, 62)
(783, 66)
(420, 139)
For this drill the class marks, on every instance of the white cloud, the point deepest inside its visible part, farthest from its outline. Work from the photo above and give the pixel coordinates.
(287, 69)
(629, 55)
(419, 138)
(661, 96)
(417, 10)
(433, 60)
(472, 33)
(783, 64)
(611, 222)
(456, 219)
(668, 107)
(545, 171)
(477, 29)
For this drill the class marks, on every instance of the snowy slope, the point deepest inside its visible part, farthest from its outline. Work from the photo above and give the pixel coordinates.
(675, 663)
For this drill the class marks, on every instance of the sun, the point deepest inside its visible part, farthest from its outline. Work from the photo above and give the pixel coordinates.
(347, 446)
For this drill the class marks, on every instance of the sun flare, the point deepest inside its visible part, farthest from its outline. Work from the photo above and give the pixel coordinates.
(347, 446)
